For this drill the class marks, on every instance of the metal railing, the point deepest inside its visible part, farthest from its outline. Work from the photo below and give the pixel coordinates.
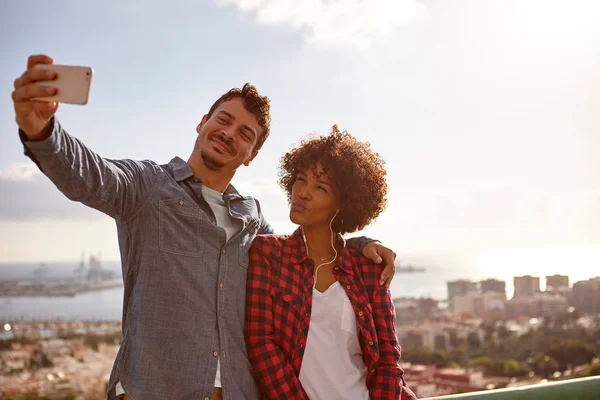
(571, 389)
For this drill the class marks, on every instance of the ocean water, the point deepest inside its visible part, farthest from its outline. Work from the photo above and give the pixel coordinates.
(107, 304)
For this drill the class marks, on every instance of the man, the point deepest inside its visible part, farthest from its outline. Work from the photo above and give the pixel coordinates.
(184, 234)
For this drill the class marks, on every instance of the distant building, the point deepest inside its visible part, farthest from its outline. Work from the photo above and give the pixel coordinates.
(470, 303)
(459, 288)
(488, 305)
(586, 296)
(456, 380)
(537, 305)
(428, 381)
(526, 286)
(420, 378)
(407, 311)
(430, 337)
(556, 282)
(493, 285)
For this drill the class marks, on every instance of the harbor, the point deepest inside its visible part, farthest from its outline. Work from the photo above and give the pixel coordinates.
(84, 278)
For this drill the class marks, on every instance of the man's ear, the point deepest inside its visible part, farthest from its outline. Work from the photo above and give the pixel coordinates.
(204, 118)
(249, 160)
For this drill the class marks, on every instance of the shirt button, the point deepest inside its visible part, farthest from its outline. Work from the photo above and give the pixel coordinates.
(199, 196)
(373, 371)
(220, 317)
(213, 222)
(196, 180)
(337, 268)
(371, 343)
(347, 286)
(223, 251)
(180, 202)
(206, 398)
(221, 285)
(215, 353)
(360, 313)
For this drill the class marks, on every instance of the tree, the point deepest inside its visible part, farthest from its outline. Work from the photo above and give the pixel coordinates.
(503, 333)
(570, 353)
(543, 365)
(473, 340)
(514, 369)
(594, 370)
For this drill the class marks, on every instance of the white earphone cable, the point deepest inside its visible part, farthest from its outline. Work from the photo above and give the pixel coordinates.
(332, 245)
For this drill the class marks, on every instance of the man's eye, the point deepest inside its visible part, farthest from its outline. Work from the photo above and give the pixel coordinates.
(322, 188)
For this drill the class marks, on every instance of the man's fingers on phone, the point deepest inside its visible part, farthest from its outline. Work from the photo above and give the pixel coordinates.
(34, 60)
(34, 75)
(44, 106)
(26, 93)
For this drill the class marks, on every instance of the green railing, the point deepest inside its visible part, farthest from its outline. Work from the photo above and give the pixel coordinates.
(572, 389)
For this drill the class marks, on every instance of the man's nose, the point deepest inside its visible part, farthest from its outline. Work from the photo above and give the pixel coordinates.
(228, 133)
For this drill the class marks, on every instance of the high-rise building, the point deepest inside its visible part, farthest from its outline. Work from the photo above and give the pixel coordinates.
(493, 285)
(526, 286)
(557, 282)
(459, 288)
(586, 296)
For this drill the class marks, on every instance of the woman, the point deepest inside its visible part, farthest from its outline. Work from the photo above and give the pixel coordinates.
(318, 323)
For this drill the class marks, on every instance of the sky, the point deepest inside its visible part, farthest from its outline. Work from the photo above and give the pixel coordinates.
(486, 113)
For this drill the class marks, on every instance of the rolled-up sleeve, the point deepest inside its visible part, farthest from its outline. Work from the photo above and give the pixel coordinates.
(117, 188)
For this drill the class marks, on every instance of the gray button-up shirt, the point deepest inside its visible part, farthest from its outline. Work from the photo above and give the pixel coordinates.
(185, 284)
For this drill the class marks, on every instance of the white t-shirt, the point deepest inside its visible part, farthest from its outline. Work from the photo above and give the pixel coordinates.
(332, 365)
(231, 226)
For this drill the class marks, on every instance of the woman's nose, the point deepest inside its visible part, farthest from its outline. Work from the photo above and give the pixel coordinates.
(304, 193)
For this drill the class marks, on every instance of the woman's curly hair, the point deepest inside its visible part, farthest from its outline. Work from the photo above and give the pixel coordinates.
(355, 171)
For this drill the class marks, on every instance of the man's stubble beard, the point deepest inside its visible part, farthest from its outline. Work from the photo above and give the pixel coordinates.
(210, 162)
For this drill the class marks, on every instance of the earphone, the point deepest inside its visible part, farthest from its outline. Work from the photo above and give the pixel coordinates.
(332, 245)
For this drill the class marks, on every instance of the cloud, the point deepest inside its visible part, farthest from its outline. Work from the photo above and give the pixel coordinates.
(26, 194)
(20, 172)
(488, 219)
(356, 23)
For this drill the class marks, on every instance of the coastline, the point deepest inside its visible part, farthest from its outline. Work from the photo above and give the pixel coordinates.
(54, 291)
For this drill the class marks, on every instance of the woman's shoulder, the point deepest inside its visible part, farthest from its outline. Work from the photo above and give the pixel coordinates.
(269, 241)
(270, 238)
(364, 266)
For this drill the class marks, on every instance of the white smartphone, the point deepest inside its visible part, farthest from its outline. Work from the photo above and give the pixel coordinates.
(73, 83)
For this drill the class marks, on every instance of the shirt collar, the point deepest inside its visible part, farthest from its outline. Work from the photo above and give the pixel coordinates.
(183, 171)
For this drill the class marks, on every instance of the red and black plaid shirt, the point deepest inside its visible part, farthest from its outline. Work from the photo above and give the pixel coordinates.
(278, 304)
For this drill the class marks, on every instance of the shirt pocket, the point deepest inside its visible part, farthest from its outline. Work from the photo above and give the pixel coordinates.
(348, 318)
(180, 227)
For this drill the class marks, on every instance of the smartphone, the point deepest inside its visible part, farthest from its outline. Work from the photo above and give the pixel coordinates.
(73, 83)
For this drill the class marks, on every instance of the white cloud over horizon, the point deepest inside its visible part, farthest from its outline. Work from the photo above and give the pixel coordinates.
(354, 23)
(459, 220)
(20, 172)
